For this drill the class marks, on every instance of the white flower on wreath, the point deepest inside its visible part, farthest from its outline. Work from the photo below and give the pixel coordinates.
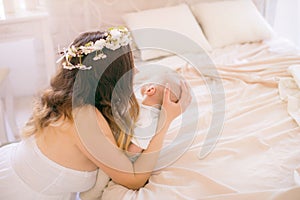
(87, 50)
(124, 41)
(83, 67)
(99, 56)
(115, 34)
(99, 44)
(115, 38)
(72, 51)
(113, 45)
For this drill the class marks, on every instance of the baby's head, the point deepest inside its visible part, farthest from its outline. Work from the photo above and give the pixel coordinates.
(153, 89)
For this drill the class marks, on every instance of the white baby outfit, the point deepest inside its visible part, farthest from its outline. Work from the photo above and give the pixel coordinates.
(145, 126)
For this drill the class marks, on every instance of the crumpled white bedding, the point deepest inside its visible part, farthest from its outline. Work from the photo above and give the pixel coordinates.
(289, 90)
(257, 154)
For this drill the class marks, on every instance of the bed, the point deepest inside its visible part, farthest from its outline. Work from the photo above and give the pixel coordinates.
(240, 137)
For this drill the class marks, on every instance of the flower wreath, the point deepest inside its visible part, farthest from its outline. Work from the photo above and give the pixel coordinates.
(115, 38)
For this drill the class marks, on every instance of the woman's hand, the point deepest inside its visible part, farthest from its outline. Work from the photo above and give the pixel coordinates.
(172, 109)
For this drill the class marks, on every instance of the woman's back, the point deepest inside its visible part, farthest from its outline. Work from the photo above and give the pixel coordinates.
(50, 167)
(58, 143)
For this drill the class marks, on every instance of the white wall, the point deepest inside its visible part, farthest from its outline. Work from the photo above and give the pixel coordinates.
(287, 20)
(26, 75)
(69, 17)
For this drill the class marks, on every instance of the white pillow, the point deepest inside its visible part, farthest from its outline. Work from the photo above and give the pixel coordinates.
(176, 18)
(231, 22)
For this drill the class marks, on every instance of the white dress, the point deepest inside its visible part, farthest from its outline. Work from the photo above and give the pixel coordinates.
(27, 174)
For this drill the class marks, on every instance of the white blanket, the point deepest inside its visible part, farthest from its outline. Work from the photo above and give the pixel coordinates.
(257, 154)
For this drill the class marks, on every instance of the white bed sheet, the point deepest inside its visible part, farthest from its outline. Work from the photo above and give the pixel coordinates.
(257, 155)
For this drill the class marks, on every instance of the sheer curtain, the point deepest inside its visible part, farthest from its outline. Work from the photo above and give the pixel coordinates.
(70, 17)
(287, 20)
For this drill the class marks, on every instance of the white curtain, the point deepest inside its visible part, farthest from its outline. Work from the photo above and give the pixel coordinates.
(287, 20)
(70, 17)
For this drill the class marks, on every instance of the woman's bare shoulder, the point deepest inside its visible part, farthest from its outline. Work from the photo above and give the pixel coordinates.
(91, 115)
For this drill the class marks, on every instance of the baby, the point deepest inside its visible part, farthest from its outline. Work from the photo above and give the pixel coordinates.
(151, 98)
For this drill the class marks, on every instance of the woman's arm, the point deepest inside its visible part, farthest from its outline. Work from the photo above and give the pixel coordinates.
(169, 111)
(101, 148)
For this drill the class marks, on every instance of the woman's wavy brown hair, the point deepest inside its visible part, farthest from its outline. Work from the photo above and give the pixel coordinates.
(108, 86)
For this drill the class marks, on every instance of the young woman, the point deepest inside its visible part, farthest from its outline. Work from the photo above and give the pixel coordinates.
(83, 123)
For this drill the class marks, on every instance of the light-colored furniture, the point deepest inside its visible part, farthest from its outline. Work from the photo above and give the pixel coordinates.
(27, 63)
(8, 128)
(27, 49)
